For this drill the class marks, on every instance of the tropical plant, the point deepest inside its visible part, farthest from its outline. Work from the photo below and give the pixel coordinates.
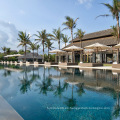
(8, 51)
(37, 47)
(24, 40)
(21, 51)
(49, 44)
(80, 34)
(70, 24)
(33, 47)
(42, 37)
(65, 39)
(57, 35)
(115, 31)
(114, 9)
(4, 49)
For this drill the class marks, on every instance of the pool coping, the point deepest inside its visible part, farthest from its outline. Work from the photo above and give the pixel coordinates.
(7, 112)
(72, 66)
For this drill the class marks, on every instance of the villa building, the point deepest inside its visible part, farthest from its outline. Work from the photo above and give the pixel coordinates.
(29, 57)
(103, 37)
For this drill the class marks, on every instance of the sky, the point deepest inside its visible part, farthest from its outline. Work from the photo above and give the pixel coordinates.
(37, 15)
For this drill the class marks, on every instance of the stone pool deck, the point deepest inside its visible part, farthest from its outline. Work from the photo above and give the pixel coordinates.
(7, 112)
(72, 66)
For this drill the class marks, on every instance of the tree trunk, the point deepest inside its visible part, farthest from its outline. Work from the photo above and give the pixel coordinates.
(43, 52)
(48, 54)
(117, 17)
(25, 53)
(37, 55)
(72, 35)
(81, 43)
(59, 44)
(65, 44)
(33, 56)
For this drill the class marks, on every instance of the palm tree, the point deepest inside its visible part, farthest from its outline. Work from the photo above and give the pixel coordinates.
(49, 44)
(8, 51)
(57, 35)
(80, 34)
(24, 40)
(37, 47)
(42, 37)
(115, 32)
(33, 47)
(65, 39)
(70, 24)
(114, 9)
(4, 49)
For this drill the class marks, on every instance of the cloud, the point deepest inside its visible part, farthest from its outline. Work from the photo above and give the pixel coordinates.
(8, 35)
(22, 12)
(87, 3)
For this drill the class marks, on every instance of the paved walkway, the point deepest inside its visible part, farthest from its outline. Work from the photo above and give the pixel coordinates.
(74, 66)
(7, 112)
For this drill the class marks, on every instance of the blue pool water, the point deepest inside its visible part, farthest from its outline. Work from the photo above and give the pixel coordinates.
(53, 93)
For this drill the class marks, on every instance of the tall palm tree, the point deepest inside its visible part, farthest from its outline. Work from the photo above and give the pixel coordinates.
(4, 49)
(24, 40)
(65, 39)
(8, 51)
(70, 24)
(42, 37)
(115, 31)
(115, 34)
(49, 44)
(57, 35)
(33, 47)
(37, 47)
(114, 9)
(80, 34)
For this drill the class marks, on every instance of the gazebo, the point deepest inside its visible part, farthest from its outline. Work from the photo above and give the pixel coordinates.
(96, 47)
(117, 64)
(72, 49)
(58, 52)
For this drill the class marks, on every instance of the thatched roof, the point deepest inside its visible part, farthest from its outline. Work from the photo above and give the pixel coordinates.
(105, 40)
(95, 35)
(30, 56)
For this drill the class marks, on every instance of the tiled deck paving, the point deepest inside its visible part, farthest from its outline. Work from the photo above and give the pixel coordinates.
(7, 112)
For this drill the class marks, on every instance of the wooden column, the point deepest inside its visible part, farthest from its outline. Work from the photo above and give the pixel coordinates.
(67, 57)
(94, 58)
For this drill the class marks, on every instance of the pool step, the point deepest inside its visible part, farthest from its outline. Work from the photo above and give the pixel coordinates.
(7, 112)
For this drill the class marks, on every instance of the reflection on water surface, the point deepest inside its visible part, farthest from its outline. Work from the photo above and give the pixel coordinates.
(36, 92)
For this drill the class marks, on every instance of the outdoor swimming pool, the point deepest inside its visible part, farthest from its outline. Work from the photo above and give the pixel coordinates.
(53, 93)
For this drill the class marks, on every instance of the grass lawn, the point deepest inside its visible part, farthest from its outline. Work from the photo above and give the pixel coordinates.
(107, 64)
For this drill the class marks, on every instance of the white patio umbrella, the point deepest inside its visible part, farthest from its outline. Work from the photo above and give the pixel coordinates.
(14, 55)
(57, 51)
(97, 47)
(72, 49)
(117, 46)
(8, 56)
(17, 55)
